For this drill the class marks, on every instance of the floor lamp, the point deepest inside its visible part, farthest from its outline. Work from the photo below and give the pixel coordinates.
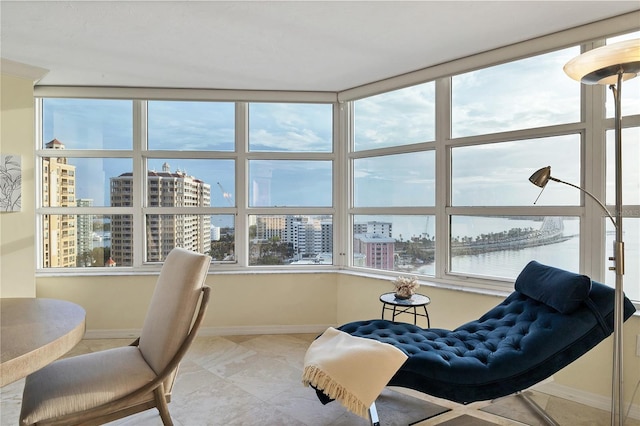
(608, 65)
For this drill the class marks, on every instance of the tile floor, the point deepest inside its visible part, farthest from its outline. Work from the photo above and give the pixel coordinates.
(256, 380)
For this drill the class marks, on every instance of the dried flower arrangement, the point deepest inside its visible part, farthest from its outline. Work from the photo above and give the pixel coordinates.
(405, 287)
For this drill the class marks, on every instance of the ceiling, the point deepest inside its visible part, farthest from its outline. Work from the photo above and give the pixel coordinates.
(269, 45)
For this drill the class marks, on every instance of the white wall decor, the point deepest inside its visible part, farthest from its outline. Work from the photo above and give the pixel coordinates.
(10, 183)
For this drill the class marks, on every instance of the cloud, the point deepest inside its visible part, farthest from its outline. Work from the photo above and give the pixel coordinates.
(396, 118)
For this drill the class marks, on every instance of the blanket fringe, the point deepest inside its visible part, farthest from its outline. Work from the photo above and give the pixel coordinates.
(314, 376)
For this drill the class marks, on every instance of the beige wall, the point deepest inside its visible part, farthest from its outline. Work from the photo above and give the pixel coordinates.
(238, 301)
(253, 302)
(17, 229)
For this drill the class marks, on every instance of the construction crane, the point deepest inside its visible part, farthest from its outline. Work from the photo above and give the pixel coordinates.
(227, 196)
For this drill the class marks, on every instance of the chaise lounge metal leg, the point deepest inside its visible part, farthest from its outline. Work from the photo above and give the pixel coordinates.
(537, 409)
(373, 415)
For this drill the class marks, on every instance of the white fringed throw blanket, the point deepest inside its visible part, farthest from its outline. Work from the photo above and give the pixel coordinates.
(352, 370)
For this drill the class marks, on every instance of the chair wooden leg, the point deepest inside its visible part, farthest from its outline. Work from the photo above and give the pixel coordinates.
(161, 405)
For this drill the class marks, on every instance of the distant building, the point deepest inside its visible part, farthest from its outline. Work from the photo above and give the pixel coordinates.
(85, 231)
(164, 231)
(374, 227)
(215, 233)
(269, 227)
(59, 232)
(373, 245)
(308, 237)
(377, 250)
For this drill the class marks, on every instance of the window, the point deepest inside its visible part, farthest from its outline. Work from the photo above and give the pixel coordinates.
(395, 180)
(280, 127)
(87, 124)
(400, 117)
(400, 243)
(531, 94)
(428, 179)
(495, 174)
(630, 109)
(528, 93)
(191, 126)
(500, 246)
(290, 240)
(280, 183)
(527, 103)
(113, 199)
(394, 186)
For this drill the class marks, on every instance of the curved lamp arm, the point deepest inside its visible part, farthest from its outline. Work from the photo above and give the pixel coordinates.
(542, 176)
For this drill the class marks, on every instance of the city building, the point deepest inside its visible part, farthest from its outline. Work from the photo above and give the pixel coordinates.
(84, 233)
(164, 231)
(374, 245)
(377, 249)
(308, 236)
(59, 231)
(374, 227)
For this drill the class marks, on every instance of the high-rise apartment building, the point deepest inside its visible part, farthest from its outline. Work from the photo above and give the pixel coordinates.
(164, 231)
(84, 233)
(374, 227)
(59, 244)
(308, 237)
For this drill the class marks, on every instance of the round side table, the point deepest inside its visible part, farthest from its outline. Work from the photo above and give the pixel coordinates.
(400, 306)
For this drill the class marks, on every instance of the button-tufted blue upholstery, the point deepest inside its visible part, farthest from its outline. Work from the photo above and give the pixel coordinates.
(517, 344)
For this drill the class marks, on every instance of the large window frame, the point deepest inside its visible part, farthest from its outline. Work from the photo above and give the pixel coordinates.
(591, 127)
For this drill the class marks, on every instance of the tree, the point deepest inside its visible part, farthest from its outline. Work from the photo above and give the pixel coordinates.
(274, 252)
(84, 259)
(100, 255)
(222, 248)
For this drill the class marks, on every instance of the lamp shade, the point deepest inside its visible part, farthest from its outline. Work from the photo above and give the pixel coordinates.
(602, 65)
(541, 177)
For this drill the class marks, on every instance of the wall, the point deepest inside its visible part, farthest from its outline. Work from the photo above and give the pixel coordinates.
(240, 303)
(17, 229)
(309, 303)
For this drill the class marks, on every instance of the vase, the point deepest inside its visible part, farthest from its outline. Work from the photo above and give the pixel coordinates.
(404, 294)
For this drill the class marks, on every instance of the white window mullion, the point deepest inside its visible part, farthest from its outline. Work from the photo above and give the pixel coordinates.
(443, 173)
(139, 179)
(342, 184)
(592, 229)
(242, 184)
(38, 183)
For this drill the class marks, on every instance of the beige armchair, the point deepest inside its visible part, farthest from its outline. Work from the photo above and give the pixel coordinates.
(99, 387)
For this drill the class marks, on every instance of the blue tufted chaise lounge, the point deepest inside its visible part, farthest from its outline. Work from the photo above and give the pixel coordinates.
(552, 318)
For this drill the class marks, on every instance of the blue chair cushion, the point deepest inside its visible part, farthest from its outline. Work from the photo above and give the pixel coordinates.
(564, 291)
(515, 345)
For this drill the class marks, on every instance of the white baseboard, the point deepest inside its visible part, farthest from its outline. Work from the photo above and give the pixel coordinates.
(218, 331)
(586, 398)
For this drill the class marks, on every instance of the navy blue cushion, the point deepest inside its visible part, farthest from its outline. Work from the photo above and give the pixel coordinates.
(513, 346)
(562, 290)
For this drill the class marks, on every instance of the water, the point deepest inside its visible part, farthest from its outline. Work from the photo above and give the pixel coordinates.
(565, 255)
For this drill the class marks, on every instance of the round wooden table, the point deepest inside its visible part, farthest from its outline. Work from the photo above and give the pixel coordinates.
(34, 332)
